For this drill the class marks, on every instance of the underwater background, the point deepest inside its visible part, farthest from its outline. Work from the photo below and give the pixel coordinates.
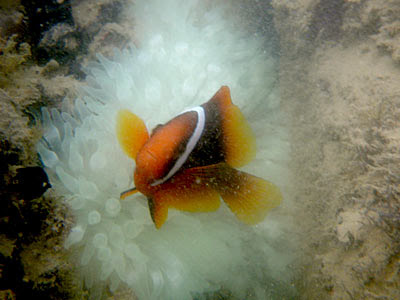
(328, 132)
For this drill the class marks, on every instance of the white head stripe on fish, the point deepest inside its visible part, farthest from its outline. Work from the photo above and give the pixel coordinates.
(201, 120)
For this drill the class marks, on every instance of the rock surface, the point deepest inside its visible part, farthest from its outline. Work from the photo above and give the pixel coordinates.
(339, 81)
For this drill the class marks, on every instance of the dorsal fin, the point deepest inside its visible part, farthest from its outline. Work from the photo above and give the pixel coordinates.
(131, 132)
(238, 138)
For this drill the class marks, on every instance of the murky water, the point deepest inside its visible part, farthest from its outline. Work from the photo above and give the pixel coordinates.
(318, 84)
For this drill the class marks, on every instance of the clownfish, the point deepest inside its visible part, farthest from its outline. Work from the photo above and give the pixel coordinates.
(189, 162)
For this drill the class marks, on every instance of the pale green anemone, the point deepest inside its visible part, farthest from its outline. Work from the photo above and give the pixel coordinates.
(186, 53)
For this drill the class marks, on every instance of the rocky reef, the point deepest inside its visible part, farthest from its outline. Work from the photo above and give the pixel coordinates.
(339, 81)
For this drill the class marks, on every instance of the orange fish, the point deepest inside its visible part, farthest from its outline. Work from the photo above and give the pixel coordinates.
(188, 163)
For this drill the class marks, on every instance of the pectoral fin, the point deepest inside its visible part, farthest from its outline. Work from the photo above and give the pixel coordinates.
(131, 132)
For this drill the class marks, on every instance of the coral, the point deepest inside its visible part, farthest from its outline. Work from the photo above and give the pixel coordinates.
(186, 51)
(12, 55)
(7, 4)
(376, 21)
(41, 16)
(25, 217)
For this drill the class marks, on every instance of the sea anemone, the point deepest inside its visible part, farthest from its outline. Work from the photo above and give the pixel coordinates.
(185, 51)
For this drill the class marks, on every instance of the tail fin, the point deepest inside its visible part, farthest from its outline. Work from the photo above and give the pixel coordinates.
(249, 197)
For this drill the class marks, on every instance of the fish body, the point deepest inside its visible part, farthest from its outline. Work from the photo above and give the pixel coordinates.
(189, 162)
